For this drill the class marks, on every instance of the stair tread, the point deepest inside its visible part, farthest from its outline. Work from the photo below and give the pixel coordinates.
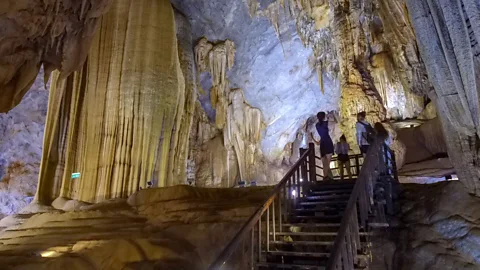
(311, 202)
(333, 191)
(306, 233)
(304, 243)
(300, 254)
(318, 217)
(311, 225)
(323, 209)
(291, 266)
(326, 197)
(314, 233)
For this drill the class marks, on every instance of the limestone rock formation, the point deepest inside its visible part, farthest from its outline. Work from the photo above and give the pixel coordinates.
(447, 35)
(21, 134)
(121, 127)
(56, 34)
(273, 68)
(165, 228)
(240, 124)
(436, 228)
(368, 45)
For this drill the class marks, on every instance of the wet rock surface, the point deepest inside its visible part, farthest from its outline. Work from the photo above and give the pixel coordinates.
(436, 228)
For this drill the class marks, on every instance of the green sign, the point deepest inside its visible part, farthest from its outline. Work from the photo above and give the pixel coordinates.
(75, 175)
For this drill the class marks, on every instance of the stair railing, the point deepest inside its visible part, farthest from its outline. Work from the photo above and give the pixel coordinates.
(268, 220)
(380, 161)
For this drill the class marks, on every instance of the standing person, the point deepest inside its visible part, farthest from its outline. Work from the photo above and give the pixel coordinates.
(381, 131)
(326, 143)
(341, 149)
(365, 133)
(382, 134)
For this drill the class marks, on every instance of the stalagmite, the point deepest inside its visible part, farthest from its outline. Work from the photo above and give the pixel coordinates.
(122, 118)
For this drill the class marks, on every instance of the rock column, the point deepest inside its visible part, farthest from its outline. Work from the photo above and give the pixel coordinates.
(121, 120)
(448, 33)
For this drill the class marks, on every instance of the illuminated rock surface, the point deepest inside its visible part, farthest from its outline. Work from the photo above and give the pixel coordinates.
(168, 228)
(121, 127)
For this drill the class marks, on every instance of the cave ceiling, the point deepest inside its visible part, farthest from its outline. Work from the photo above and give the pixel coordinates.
(275, 72)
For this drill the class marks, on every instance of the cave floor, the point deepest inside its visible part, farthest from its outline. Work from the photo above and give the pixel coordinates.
(176, 228)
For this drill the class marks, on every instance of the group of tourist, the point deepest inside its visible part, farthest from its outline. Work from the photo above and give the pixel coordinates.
(365, 136)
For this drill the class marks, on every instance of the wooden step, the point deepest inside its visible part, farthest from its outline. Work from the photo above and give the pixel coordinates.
(334, 191)
(311, 225)
(329, 197)
(299, 254)
(319, 210)
(314, 233)
(303, 243)
(289, 266)
(305, 233)
(319, 219)
(312, 202)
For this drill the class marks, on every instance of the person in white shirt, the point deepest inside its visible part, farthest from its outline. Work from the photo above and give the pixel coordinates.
(363, 130)
(342, 149)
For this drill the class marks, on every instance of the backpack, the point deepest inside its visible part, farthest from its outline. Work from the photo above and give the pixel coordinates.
(370, 136)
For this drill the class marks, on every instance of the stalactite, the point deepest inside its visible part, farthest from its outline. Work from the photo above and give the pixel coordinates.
(202, 49)
(272, 13)
(241, 124)
(221, 58)
(122, 118)
(252, 7)
(242, 134)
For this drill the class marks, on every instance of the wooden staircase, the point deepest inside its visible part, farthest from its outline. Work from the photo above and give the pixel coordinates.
(307, 240)
(320, 225)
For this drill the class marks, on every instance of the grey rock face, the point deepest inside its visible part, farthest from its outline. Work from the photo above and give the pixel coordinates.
(437, 229)
(275, 76)
(21, 135)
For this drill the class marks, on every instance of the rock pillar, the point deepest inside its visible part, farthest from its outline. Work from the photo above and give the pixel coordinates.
(122, 119)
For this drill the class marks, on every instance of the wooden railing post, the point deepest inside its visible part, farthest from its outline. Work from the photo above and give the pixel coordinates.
(357, 165)
(304, 173)
(311, 163)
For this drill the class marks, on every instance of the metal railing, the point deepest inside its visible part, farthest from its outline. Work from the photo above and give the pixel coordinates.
(268, 220)
(370, 195)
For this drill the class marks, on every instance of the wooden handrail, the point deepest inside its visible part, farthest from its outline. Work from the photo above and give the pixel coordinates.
(351, 209)
(249, 225)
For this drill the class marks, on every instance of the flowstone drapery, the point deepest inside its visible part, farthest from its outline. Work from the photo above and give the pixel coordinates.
(368, 45)
(121, 120)
(242, 133)
(240, 123)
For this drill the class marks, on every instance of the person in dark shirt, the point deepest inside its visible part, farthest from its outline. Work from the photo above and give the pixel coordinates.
(342, 149)
(326, 143)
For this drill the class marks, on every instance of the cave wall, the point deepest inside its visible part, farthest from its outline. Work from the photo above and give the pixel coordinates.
(21, 135)
(118, 121)
(447, 35)
(429, 231)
